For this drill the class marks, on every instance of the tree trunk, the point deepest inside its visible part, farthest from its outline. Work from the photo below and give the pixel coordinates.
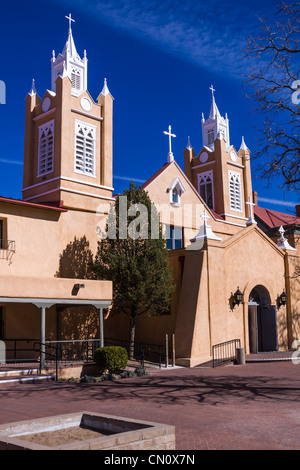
(132, 336)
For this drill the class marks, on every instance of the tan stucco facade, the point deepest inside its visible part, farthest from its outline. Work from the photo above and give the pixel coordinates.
(243, 256)
(50, 236)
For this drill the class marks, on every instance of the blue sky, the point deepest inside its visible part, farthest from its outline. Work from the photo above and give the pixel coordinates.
(159, 57)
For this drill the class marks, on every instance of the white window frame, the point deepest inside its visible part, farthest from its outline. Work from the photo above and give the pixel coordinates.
(210, 136)
(45, 150)
(205, 175)
(76, 79)
(170, 235)
(87, 131)
(178, 186)
(235, 191)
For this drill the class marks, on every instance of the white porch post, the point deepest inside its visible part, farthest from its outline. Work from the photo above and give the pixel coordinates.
(101, 332)
(43, 336)
(42, 306)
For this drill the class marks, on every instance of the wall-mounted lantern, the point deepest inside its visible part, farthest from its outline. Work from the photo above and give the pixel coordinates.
(237, 298)
(76, 288)
(79, 286)
(282, 299)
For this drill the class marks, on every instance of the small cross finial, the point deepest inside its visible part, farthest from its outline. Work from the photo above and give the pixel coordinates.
(70, 21)
(33, 89)
(251, 219)
(170, 155)
(281, 231)
(205, 217)
(189, 146)
(212, 90)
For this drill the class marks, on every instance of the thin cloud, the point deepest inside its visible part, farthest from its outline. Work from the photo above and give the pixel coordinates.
(277, 202)
(128, 178)
(210, 34)
(10, 162)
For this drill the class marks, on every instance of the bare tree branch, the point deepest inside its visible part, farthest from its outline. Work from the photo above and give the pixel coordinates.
(275, 68)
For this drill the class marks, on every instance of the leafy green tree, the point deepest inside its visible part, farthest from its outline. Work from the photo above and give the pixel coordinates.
(132, 253)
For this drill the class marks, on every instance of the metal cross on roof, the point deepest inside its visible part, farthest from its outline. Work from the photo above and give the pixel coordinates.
(70, 21)
(170, 142)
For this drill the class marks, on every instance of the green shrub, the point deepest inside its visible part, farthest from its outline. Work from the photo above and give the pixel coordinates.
(105, 377)
(87, 379)
(112, 358)
(126, 374)
(139, 372)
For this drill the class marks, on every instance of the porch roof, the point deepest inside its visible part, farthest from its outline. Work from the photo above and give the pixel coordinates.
(55, 291)
(47, 303)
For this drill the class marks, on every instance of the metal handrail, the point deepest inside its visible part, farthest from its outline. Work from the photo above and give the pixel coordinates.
(74, 351)
(16, 349)
(224, 353)
(55, 356)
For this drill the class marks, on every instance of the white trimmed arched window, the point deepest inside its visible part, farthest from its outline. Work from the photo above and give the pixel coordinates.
(235, 191)
(210, 136)
(76, 79)
(46, 148)
(206, 188)
(85, 148)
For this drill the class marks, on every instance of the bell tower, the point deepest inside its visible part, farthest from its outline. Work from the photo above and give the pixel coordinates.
(68, 137)
(70, 63)
(220, 173)
(214, 125)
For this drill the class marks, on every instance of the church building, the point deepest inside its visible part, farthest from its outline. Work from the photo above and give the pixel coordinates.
(233, 262)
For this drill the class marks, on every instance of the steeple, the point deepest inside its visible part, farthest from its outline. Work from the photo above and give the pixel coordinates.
(105, 89)
(68, 148)
(215, 126)
(214, 112)
(33, 88)
(69, 63)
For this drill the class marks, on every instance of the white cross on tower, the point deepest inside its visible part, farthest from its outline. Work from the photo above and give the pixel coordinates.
(170, 154)
(70, 21)
(212, 90)
(251, 219)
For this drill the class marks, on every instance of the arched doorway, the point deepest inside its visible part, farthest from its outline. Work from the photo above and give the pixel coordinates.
(262, 321)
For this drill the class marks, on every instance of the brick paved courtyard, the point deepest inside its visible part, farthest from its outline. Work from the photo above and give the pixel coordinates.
(254, 406)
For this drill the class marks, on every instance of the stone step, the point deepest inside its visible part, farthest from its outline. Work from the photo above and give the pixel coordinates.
(25, 379)
(18, 372)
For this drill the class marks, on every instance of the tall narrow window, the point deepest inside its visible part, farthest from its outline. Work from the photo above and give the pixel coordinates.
(210, 136)
(85, 136)
(235, 191)
(205, 188)
(175, 196)
(46, 148)
(76, 78)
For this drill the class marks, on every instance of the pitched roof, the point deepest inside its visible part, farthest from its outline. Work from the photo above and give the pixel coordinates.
(163, 168)
(155, 175)
(32, 204)
(274, 219)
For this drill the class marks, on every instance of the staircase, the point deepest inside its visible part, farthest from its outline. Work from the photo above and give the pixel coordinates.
(15, 374)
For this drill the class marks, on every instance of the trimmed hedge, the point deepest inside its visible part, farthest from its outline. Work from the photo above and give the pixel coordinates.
(112, 358)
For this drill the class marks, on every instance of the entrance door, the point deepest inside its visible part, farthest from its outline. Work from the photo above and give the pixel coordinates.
(253, 330)
(267, 328)
(262, 322)
(1, 323)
